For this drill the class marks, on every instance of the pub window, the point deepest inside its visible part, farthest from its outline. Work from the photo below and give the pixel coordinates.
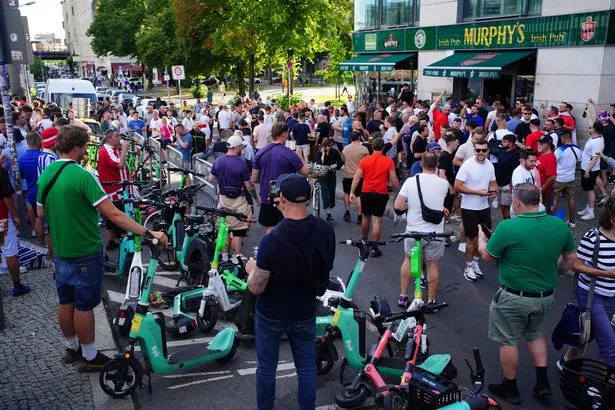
(396, 12)
(478, 9)
(365, 14)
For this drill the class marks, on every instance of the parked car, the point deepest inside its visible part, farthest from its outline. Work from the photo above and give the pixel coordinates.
(100, 93)
(211, 80)
(276, 79)
(142, 107)
(257, 80)
(126, 99)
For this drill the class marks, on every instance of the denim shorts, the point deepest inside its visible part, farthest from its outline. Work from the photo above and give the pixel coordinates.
(79, 280)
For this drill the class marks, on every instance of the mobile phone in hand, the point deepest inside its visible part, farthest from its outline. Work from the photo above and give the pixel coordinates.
(486, 230)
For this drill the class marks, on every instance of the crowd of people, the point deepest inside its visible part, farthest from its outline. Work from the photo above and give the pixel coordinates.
(443, 161)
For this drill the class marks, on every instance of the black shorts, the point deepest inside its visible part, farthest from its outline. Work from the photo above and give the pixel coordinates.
(269, 215)
(113, 227)
(471, 219)
(588, 184)
(448, 201)
(239, 233)
(347, 184)
(373, 203)
(165, 143)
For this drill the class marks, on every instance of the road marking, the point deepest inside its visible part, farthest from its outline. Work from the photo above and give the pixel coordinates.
(252, 370)
(177, 343)
(213, 379)
(177, 376)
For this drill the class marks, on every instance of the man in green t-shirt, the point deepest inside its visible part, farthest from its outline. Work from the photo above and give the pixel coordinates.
(528, 249)
(71, 205)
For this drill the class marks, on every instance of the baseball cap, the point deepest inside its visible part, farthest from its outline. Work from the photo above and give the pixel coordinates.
(294, 187)
(433, 145)
(234, 141)
(546, 139)
(49, 137)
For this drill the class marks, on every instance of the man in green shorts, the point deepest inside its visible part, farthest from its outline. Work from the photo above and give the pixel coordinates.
(71, 197)
(528, 249)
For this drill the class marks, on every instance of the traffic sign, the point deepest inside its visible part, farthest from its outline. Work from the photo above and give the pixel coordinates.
(178, 72)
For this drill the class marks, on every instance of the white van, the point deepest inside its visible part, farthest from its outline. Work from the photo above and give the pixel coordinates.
(63, 91)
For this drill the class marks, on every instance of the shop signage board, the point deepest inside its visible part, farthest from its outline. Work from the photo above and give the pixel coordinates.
(533, 32)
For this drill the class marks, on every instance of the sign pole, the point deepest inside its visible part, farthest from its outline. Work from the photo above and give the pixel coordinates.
(179, 82)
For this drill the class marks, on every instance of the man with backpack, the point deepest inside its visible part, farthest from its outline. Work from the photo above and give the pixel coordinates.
(567, 156)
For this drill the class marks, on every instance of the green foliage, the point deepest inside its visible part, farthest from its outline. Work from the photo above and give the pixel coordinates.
(38, 69)
(197, 91)
(283, 100)
(114, 27)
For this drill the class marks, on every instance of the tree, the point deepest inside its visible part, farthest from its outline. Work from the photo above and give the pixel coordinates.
(114, 27)
(38, 69)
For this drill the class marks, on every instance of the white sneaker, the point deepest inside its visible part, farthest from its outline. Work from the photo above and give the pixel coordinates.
(477, 271)
(495, 204)
(454, 238)
(469, 274)
(454, 218)
(571, 225)
(583, 212)
(588, 216)
(462, 247)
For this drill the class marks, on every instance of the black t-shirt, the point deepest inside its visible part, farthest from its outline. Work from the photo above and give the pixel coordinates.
(299, 255)
(399, 122)
(508, 161)
(419, 146)
(446, 163)
(522, 131)
(406, 96)
(323, 129)
(482, 112)
(373, 126)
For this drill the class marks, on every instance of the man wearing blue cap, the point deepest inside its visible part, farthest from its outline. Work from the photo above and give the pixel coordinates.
(291, 269)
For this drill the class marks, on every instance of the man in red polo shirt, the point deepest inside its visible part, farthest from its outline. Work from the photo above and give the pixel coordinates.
(531, 141)
(547, 167)
(377, 171)
(112, 168)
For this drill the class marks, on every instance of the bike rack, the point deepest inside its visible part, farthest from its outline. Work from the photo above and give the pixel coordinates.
(204, 167)
(157, 149)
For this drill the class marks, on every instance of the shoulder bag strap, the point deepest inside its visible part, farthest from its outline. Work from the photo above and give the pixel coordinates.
(592, 285)
(53, 181)
(418, 187)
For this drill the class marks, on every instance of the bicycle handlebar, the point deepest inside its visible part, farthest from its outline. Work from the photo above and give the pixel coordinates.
(362, 242)
(222, 212)
(420, 235)
(127, 183)
(412, 313)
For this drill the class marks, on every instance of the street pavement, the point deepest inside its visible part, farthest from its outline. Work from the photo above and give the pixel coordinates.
(455, 330)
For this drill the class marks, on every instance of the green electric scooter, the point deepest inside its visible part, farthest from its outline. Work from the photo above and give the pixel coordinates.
(122, 375)
(224, 288)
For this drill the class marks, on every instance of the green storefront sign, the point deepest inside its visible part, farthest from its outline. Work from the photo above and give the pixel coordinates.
(556, 31)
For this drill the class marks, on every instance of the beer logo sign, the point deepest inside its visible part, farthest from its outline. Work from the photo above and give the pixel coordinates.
(391, 42)
(419, 39)
(588, 29)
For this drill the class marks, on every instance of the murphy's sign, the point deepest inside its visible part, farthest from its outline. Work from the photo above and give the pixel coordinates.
(555, 31)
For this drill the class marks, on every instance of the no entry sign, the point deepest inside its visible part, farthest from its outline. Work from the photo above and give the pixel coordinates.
(178, 72)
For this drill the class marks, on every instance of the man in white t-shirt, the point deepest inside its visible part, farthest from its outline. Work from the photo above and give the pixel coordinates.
(476, 181)
(434, 190)
(590, 167)
(526, 173)
(567, 157)
(155, 125)
(224, 118)
(187, 121)
(466, 150)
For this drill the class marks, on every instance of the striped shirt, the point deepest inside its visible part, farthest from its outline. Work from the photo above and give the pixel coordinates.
(46, 158)
(605, 286)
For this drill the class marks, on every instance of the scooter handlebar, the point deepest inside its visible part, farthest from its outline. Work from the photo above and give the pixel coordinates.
(222, 212)
(363, 243)
(420, 235)
(412, 313)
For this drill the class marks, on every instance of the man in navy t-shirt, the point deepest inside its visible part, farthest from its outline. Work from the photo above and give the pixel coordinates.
(301, 133)
(269, 163)
(291, 269)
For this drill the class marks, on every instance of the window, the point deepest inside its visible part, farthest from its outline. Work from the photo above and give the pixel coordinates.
(417, 12)
(72, 10)
(396, 12)
(477, 9)
(365, 14)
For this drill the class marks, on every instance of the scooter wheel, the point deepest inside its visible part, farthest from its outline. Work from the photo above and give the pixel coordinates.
(120, 377)
(208, 321)
(325, 357)
(350, 397)
(395, 401)
(229, 356)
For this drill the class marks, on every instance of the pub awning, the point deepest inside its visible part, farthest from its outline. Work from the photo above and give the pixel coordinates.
(483, 64)
(376, 62)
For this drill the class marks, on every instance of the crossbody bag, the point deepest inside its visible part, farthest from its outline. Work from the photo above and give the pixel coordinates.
(53, 181)
(429, 215)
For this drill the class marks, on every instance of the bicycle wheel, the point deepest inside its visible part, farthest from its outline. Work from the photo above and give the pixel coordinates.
(395, 401)
(204, 198)
(167, 258)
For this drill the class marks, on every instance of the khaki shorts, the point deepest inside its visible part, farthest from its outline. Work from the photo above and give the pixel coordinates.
(512, 316)
(432, 250)
(567, 188)
(505, 195)
(239, 205)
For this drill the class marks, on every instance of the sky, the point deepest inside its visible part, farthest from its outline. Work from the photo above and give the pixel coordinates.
(44, 16)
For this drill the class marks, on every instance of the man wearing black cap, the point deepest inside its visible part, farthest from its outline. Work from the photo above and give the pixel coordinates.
(291, 269)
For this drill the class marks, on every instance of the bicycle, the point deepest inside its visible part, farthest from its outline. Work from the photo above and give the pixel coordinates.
(316, 171)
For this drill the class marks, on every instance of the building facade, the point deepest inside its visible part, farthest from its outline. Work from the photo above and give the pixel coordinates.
(77, 17)
(546, 51)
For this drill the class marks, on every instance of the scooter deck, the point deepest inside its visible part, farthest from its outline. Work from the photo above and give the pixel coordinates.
(190, 353)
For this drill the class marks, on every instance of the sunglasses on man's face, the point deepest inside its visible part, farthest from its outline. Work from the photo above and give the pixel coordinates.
(481, 150)
(527, 113)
